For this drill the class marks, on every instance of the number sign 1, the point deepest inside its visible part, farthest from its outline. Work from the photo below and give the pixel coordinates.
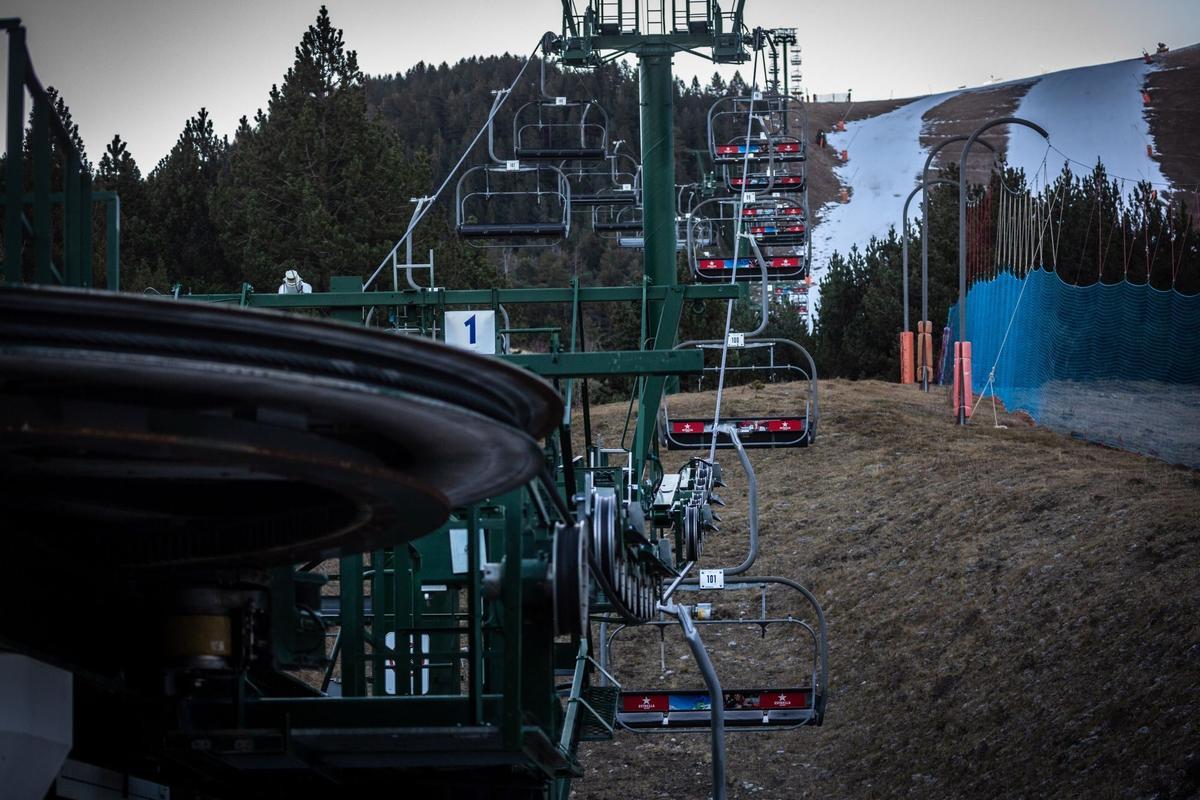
(472, 330)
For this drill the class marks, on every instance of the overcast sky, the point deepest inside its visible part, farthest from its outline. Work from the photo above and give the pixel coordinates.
(141, 67)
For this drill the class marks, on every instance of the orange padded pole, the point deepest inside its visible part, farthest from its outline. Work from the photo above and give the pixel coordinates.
(906, 357)
(925, 351)
(956, 384)
(968, 397)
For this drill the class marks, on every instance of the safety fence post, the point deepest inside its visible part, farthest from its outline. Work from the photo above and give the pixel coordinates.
(961, 388)
(925, 353)
(906, 357)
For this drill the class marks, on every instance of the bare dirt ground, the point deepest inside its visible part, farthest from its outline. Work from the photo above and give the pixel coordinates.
(962, 114)
(1174, 117)
(1012, 613)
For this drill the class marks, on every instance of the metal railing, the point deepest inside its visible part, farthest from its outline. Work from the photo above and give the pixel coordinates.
(71, 237)
(35, 232)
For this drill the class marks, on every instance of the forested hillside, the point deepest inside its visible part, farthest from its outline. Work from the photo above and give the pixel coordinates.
(321, 180)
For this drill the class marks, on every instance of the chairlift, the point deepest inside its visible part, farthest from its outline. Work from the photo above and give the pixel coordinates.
(758, 129)
(617, 184)
(780, 235)
(757, 360)
(769, 181)
(617, 220)
(556, 128)
(494, 202)
(780, 613)
(775, 222)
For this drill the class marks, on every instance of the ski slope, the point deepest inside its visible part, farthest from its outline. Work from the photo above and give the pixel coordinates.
(1090, 112)
(885, 161)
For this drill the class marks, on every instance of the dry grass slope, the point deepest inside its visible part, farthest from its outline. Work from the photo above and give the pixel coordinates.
(1012, 614)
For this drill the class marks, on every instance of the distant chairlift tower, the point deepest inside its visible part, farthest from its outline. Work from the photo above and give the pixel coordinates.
(654, 32)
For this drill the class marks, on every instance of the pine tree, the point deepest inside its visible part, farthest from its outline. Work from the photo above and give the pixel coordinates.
(317, 183)
(185, 239)
(737, 85)
(118, 172)
(58, 165)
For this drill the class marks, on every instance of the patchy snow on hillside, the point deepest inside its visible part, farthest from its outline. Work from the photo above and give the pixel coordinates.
(1089, 112)
(885, 157)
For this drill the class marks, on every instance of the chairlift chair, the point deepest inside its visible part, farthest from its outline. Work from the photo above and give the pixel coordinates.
(774, 148)
(616, 184)
(780, 178)
(712, 257)
(776, 221)
(611, 221)
(757, 128)
(800, 698)
(556, 128)
(755, 360)
(703, 235)
(491, 199)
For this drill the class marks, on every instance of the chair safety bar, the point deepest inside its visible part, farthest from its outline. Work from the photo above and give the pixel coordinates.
(763, 432)
(780, 268)
(690, 710)
(558, 129)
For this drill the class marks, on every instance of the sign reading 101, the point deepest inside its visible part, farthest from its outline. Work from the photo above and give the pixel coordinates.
(472, 330)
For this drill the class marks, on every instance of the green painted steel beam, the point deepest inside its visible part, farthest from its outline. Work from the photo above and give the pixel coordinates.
(84, 229)
(619, 362)
(112, 239)
(656, 91)
(350, 584)
(350, 712)
(72, 258)
(473, 297)
(40, 141)
(13, 167)
(341, 284)
(652, 388)
(725, 49)
(512, 603)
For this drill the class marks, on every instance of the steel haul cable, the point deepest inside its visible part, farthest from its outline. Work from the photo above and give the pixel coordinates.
(423, 209)
(737, 240)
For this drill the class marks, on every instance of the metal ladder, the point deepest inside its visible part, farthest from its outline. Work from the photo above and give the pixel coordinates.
(656, 16)
(599, 703)
(618, 16)
(692, 12)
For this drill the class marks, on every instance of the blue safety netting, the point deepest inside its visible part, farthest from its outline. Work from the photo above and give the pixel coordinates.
(1112, 363)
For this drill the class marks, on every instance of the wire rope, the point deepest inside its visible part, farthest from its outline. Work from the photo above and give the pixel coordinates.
(427, 202)
(739, 208)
